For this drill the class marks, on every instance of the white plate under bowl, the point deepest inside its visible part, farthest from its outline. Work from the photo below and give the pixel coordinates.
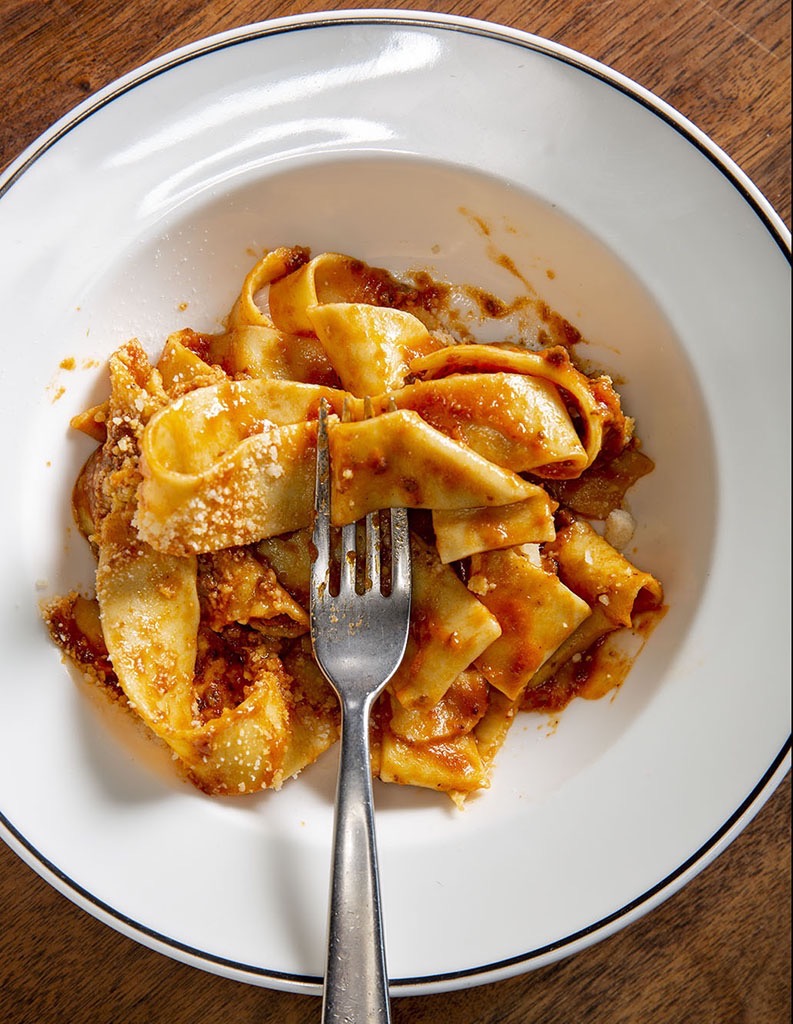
(412, 141)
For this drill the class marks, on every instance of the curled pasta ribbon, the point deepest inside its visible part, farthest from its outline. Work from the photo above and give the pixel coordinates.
(601, 575)
(275, 264)
(595, 402)
(349, 308)
(149, 611)
(369, 347)
(515, 420)
(252, 345)
(397, 460)
(538, 612)
(327, 278)
(230, 464)
(449, 629)
(614, 589)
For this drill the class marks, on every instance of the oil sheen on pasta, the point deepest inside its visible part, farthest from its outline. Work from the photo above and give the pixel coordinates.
(197, 503)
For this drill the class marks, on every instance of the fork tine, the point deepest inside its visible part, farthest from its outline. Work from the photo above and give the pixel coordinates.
(372, 532)
(321, 532)
(348, 560)
(372, 570)
(400, 550)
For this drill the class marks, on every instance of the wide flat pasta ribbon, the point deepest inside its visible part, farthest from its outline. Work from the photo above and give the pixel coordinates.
(601, 575)
(230, 465)
(149, 609)
(455, 714)
(449, 629)
(594, 399)
(257, 350)
(398, 460)
(233, 464)
(515, 420)
(452, 765)
(589, 632)
(535, 610)
(369, 347)
(327, 278)
(436, 747)
(467, 531)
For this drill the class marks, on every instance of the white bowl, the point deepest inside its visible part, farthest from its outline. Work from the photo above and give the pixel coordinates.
(411, 141)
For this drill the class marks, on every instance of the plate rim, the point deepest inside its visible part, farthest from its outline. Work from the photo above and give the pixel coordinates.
(384, 16)
(780, 235)
(421, 985)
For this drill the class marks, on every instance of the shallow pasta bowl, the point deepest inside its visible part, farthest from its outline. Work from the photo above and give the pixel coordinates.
(155, 194)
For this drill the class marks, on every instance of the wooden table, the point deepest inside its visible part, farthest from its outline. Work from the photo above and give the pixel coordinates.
(719, 951)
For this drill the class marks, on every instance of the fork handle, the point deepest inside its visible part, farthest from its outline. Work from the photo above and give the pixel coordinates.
(356, 983)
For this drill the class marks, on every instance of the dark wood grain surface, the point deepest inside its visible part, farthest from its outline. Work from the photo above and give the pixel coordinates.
(718, 952)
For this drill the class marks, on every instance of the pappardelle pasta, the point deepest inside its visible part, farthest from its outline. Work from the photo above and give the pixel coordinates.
(197, 503)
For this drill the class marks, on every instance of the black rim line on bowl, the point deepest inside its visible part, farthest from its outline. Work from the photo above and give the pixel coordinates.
(462, 25)
(296, 982)
(66, 885)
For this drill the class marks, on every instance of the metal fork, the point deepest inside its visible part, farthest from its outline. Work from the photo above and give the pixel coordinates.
(359, 627)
